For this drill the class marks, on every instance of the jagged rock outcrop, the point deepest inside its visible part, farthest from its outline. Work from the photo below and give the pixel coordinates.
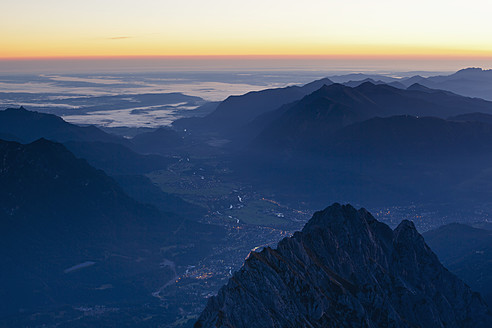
(346, 269)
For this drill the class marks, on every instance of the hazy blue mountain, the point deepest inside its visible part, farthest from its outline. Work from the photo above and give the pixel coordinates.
(420, 87)
(310, 122)
(313, 118)
(471, 82)
(71, 235)
(29, 126)
(467, 252)
(237, 111)
(354, 84)
(361, 76)
(102, 150)
(397, 84)
(346, 269)
(350, 140)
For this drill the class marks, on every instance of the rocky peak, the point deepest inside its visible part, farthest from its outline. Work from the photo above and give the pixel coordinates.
(346, 269)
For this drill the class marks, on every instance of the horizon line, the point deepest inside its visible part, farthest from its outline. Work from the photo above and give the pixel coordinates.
(258, 57)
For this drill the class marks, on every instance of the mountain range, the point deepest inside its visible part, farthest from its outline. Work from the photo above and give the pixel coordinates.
(332, 107)
(346, 269)
(471, 82)
(71, 235)
(237, 111)
(28, 126)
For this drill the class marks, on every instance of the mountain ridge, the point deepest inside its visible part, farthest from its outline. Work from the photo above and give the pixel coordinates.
(346, 269)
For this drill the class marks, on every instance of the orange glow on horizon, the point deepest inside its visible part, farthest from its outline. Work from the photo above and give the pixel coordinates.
(455, 55)
(285, 29)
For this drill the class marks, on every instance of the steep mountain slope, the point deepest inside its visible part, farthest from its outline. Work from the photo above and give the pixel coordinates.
(104, 151)
(70, 235)
(237, 111)
(314, 117)
(29, 126)
(346, 269)
(467, 252)
(317, 116)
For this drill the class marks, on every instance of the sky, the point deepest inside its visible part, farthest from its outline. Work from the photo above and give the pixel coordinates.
(336, 28)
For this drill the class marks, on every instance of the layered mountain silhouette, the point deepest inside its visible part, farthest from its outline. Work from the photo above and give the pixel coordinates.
(346, 269)
(29, 126)
(367, 138)
(318, 115)
(471, 82)
(70, 234)
(281, 116)
(103, 150)
(237, 111)
(442, 98)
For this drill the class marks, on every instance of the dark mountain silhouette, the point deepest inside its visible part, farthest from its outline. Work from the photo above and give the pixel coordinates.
(102, 150)
(311, 121)
(420, 87)
(416, 79)
(346, 269)
(237, 111)
(29, 126)
(361, 76)
(467, 252)
(354, 84)
(70, 234)
(313, 118)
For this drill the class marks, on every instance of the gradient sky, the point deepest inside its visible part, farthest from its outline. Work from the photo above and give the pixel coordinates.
(60, 28)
